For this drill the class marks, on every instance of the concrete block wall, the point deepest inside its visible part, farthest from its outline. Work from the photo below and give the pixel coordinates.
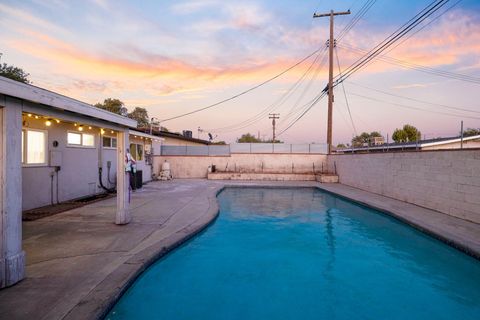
(446, 181)
(197, 166)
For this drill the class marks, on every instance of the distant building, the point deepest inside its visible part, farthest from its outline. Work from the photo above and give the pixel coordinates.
(421, 145)
(376, 141)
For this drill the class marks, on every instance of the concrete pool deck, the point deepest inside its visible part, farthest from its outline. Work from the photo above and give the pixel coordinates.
(79, 262)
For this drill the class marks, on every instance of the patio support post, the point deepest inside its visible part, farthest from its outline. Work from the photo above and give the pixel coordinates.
(12, 257)
(123, 180)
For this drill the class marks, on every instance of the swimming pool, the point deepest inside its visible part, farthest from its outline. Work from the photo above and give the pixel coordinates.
(305, 254)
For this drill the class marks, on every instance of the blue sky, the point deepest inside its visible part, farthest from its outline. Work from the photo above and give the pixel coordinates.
(175, 56)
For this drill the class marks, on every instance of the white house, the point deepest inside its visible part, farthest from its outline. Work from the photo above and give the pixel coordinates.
(55, 148)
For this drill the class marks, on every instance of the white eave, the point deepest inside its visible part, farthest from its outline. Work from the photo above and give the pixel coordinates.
(45, 97)
(145, 135)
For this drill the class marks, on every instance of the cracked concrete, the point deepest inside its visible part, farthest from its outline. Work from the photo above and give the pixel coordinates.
(79, 262)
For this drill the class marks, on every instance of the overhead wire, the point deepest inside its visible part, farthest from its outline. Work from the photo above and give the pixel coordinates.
(245, 91)
(312, 104)
(357, 17)
(413, 108)
(392, 39)
(296, 106)
(272, 107)
(415, 100)
(414, 66)
(345, 93)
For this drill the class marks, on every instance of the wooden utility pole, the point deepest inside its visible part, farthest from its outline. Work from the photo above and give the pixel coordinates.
(273, 116)
(331, 44)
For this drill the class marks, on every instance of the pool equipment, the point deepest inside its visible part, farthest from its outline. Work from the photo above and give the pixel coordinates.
(165, 173)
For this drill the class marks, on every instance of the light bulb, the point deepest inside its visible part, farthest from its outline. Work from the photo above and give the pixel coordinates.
(48, 123)
(80, 128)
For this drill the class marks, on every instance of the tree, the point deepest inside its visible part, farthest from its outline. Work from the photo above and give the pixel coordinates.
(407, 134)
(220, 143)
(364, 138)
(341, 146)
(14, 73)
(141, 116)
(470, 132)
(113, 105)
(412, 133)
(248, 138)
(399, 135)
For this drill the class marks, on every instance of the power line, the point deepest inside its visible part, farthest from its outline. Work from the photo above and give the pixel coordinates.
(313, 103)
(294, 109)
(259, 116)
(357, 17)
(414, 108)
(417, 67)
(416, 100)
(426, 25)
(392, 39)
(345, 93)
(246, 91)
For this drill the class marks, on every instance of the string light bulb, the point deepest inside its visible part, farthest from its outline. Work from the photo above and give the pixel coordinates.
(58, 121)
(102, 131)
(48, 123)
(80, 128)
(30, 115)
(37, 117)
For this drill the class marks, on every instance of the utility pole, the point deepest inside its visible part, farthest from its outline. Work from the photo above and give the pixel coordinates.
(273, 116)
(331, 44)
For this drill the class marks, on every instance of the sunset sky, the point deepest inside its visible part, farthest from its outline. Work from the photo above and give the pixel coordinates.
(172, 57)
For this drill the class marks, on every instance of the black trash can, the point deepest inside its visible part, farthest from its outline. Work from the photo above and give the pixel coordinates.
(138, 179)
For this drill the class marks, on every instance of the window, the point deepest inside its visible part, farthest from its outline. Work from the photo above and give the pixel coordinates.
(88, 140)
(109, 142)
(74, 138)
(136, 150)
(34, 147)
(80, 139)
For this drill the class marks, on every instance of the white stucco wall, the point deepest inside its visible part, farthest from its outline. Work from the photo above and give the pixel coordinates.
(196, 166)
(446, 181)
(78, 176)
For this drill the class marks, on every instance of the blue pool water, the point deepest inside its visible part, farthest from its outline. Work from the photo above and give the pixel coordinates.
(305, 254)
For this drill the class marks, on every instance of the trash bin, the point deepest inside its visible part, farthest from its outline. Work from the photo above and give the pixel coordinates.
(138, 179)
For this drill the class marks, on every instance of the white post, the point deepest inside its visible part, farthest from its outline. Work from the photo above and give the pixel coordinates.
(12, 257)
(123, 180)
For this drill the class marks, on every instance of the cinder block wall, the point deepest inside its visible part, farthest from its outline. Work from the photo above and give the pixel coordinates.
(196, 166)
(446, 181)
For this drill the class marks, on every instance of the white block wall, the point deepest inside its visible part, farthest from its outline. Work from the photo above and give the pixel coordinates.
(196, 166)
(446, 181)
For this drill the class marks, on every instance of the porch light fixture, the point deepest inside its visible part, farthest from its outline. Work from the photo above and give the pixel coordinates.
(80, 128)
(48, 123)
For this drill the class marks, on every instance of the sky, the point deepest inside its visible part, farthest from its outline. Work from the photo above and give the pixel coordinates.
(173, 57)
